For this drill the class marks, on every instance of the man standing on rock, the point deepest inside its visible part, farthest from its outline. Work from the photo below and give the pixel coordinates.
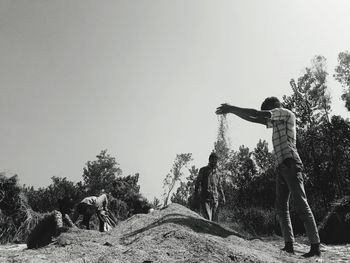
(289, 180)
(207, 188)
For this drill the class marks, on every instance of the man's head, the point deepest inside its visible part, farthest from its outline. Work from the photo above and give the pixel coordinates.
(213, 160)
(270, 103)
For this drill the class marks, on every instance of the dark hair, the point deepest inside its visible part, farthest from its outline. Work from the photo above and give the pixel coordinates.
(270, 103)
(213, 156)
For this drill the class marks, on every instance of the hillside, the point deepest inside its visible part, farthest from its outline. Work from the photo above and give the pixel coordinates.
(174, 234)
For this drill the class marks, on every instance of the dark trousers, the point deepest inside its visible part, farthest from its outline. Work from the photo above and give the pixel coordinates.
(88, 211)
(290, 182)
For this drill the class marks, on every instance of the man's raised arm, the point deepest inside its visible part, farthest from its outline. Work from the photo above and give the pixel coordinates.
(251, 115)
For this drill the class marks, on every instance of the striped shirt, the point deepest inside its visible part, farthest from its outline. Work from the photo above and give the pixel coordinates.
(283, 135)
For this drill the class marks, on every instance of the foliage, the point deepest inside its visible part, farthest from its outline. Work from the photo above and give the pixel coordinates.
(125, 187)
(156, 204)
(45, 199)
(99, 174)
(324, 153)
(260, 191)
(342, 74)
(252, 220)
(259, 221)
(310, 100)
(263, 157)
(16, 203)
(119, 209)
(105, 174)
(184, 193)
(7, 228)
(10, 201)
(323, 143)
(175, 174)
(17, 219)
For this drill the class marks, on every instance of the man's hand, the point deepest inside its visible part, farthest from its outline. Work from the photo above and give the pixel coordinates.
(224, 109)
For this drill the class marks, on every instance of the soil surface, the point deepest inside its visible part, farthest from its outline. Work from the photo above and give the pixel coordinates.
(173, 234)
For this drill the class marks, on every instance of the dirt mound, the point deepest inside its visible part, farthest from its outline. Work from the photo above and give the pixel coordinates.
(173, 234)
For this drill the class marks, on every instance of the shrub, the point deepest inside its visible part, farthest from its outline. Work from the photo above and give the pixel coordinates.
(254, 220)
(17, 227)
(7, 229)
(259, 221)
(118, 208)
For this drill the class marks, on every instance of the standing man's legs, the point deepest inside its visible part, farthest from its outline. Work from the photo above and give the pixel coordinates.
(293, 176)
(102, 220)
(86, 220)
(207, 209)
(215, 217)
(282, 208)
(88, 211)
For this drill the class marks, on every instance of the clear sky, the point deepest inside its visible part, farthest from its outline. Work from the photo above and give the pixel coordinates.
(143, 78)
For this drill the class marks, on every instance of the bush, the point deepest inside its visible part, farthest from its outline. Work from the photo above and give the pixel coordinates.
(259, 221)
(47, 199)
(17, 219)
(254, 220)
(118, 208)
(17, 227)
(7, 229)
(10, 190)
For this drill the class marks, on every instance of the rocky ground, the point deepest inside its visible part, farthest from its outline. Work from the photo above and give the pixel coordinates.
(174, 234)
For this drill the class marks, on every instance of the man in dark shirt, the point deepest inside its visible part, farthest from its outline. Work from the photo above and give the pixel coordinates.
(207, 189)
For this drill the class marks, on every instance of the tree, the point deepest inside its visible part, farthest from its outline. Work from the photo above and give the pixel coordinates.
(13, 208)
(175, 174)
(10, 191)
(321, 141)
(101, 173)
(342, 74)
(262, 156)
(105, 173)
(310, 100)
(156, 203)
(247, 170)
(184, 193)
(125, 187)
(45, 199)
